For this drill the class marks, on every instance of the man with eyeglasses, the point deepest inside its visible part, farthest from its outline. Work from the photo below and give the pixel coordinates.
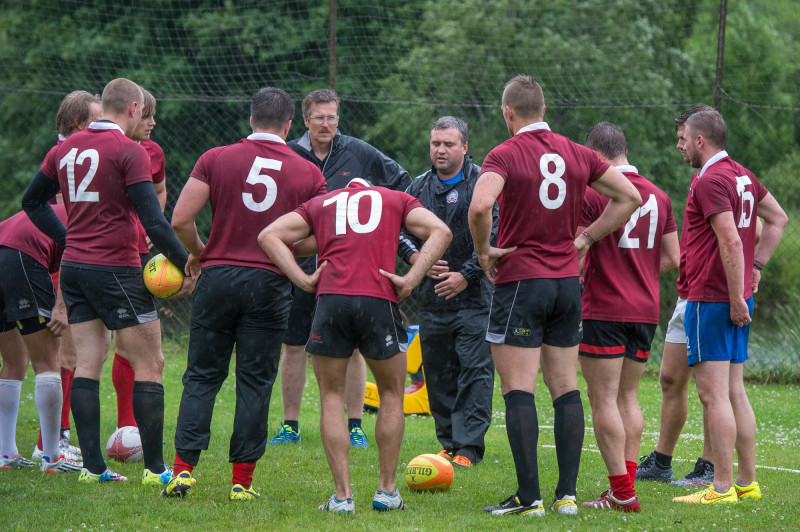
(341, 158)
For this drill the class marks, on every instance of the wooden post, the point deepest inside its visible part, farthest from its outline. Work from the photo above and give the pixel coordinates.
(723, 10)
(332, 46)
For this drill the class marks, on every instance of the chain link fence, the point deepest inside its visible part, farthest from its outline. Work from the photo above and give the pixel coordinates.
(400, 65)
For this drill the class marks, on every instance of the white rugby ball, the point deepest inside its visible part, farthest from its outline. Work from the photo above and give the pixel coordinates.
(125, 445)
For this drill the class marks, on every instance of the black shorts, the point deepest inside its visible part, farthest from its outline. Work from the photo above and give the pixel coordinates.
(344, 323)
(235, 299)
(27, 295)
(615, 339)
(116, 296)
(535, 311)
(302, 312)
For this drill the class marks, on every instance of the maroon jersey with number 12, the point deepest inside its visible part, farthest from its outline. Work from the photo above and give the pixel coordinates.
(545, 176)
(621, 270)
(358, 230)
(94, 167)
(253, 183)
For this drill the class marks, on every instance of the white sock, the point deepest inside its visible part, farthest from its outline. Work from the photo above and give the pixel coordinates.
(48, 397)
(9, 408)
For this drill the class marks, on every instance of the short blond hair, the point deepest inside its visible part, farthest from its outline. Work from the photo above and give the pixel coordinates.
(524, 95)
(75, 109)
(119, 94)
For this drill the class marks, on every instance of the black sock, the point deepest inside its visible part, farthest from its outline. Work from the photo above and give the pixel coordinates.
(148, 410)
(663, 460)
(568, 429)
(522, 426)
(353, 423)
(85, 408)
(295, 424)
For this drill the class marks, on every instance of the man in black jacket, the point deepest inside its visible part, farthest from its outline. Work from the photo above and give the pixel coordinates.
(341, 158)
(454, 301)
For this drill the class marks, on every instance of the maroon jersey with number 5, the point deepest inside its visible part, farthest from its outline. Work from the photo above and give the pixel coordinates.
(358, 230)
(545, 176)
(621, 271)
(253, 183)
(722, 185)
(94, 167)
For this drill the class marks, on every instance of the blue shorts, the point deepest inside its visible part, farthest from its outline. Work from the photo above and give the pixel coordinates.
(712, 336)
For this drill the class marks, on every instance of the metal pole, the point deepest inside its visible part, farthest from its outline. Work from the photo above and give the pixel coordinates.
(723, 10)
(332, 46)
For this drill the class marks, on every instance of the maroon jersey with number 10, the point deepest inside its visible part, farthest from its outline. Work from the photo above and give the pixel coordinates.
(545, 176)
(358, 230)
(94, 167)
(621, 270)
(253, 183)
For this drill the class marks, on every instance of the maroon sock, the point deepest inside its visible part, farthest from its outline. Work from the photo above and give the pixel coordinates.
(66, 389)
(631, 467)
(180, 466)
(122, 377)
(243, 473)
(39, 445)
(621, 486)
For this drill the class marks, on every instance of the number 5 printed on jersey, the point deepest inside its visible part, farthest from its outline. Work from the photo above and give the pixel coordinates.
(255, 177)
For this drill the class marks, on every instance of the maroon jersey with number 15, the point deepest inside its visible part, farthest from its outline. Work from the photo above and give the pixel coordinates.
(94, 167)
(358, 230)
(621, 270)
(545, 176)
(722, 185)
(253, 183)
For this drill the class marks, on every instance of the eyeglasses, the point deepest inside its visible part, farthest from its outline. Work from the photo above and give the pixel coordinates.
(319, 120)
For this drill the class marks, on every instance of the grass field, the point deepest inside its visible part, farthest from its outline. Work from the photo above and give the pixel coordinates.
(294, 480)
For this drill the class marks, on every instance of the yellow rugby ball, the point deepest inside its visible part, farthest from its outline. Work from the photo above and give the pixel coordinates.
(161, 277)
(429, 472)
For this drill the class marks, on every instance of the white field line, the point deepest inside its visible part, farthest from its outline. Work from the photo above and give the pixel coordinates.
(784, 469)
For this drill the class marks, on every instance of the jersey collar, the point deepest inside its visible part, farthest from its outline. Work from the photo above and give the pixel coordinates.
(627, 168)
(533, 127)
(105, 125)
(266, 136)
(715, 158)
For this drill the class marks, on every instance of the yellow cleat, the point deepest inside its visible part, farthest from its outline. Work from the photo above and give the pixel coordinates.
(751, 491)
(709, 496)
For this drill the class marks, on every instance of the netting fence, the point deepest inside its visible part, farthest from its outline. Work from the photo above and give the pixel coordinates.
(399, 65)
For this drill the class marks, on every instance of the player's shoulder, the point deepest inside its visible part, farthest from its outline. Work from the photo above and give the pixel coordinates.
(152, 148)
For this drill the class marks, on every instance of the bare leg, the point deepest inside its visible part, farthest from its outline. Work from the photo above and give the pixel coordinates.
(293, 379)
(629, 410)
(745, 427)
(331, 374)
(603, 382)
(674, 380)
(15, 356)
(143, 350)
(356, 385)
(560, 369)
(390, 376)
(713, 381)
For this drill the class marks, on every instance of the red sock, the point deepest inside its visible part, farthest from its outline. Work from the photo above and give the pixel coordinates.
(243, 473)
(66, 389)
(39, 445)
(622, 486)
(631, 467)
(122, 377)
(180, 466)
